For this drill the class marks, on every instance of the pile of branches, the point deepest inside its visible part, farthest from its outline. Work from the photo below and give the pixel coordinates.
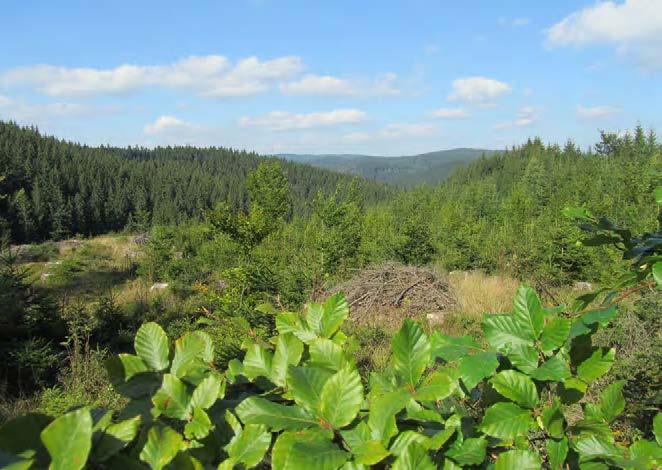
(385, 295)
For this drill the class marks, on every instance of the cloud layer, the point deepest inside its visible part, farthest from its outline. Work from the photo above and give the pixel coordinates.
(211, 75)
(634, 27)
(477, 89)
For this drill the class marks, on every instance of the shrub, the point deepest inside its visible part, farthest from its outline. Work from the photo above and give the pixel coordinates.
(297, 401)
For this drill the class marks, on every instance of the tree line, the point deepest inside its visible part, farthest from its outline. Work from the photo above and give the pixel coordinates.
(55, 189)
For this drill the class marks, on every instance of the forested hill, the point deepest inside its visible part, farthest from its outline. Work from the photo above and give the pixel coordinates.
(51, 188)
(431, 168)
(505, 213)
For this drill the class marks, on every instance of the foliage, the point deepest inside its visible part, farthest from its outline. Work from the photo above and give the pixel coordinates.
(269, 204)
(54, 188)
(297, 401)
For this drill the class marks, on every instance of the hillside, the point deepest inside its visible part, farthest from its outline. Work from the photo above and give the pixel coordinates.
(56, 188)
(430, 168)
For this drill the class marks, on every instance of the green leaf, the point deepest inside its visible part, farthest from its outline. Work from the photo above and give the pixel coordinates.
(411, 352)
(341, 398)
(555, 369)
(554, 334)
(151, 344)
(369, 452)
(290, 322)
(612, 402)
(518, 459)
(517, 387)
(68, 440)
(572, 390)
(592, 447)
(304, 450)
(475, 368)
(207, 392)
(657, 270)
(436, 386)
(199, 425)
(314, 314)
(416, 457)
(257, 362)
(326, 354)
(277, 417)
(646, 454)
(383, 409)
(657, 428)
(132, 365)
(288, 352)
(173, 398)
(20, 436)
(116, 437)
(524, 357)
(506, 421)
(305, 384)
(528, 312)
(593, 428)
(597, 365)
(250, 445)
(553, 420)
(557, 451)
(190, 352)
(471, 452)
(451, 348)
(602, 316)
(336, 311)
(502, 331)
(163, 444)
(402, 442)
(438, 440)
(12, 462)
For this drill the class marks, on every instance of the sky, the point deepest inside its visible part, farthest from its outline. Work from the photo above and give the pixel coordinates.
(372, 77)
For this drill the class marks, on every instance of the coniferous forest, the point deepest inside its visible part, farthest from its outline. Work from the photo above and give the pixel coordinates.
(508, 317)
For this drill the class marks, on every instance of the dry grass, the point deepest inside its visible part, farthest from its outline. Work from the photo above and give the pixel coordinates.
(476, 294)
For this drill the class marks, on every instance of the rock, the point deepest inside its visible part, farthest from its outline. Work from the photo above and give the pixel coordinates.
(159, 286)
(433, 317)
(582, 285)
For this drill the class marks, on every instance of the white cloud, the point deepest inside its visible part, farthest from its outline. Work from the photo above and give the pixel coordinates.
(633, 26)
(283, 120)
(329, 85)
(5, 101)
(396, 130)
(318, 85)
(211, 75)
(477, 89)
(595, 112)
(167, 124)
(525, 116)
(450, 113)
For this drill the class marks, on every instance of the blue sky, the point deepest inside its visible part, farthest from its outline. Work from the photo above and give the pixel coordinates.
(386, 77)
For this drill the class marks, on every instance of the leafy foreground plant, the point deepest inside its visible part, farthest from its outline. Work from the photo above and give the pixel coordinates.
(298, 401)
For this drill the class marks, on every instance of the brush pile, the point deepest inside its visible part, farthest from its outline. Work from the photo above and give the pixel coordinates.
(385, 295)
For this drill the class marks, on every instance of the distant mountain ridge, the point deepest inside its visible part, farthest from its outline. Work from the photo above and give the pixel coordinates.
(431, 167)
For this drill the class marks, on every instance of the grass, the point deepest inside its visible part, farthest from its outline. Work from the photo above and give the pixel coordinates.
(476, 294)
